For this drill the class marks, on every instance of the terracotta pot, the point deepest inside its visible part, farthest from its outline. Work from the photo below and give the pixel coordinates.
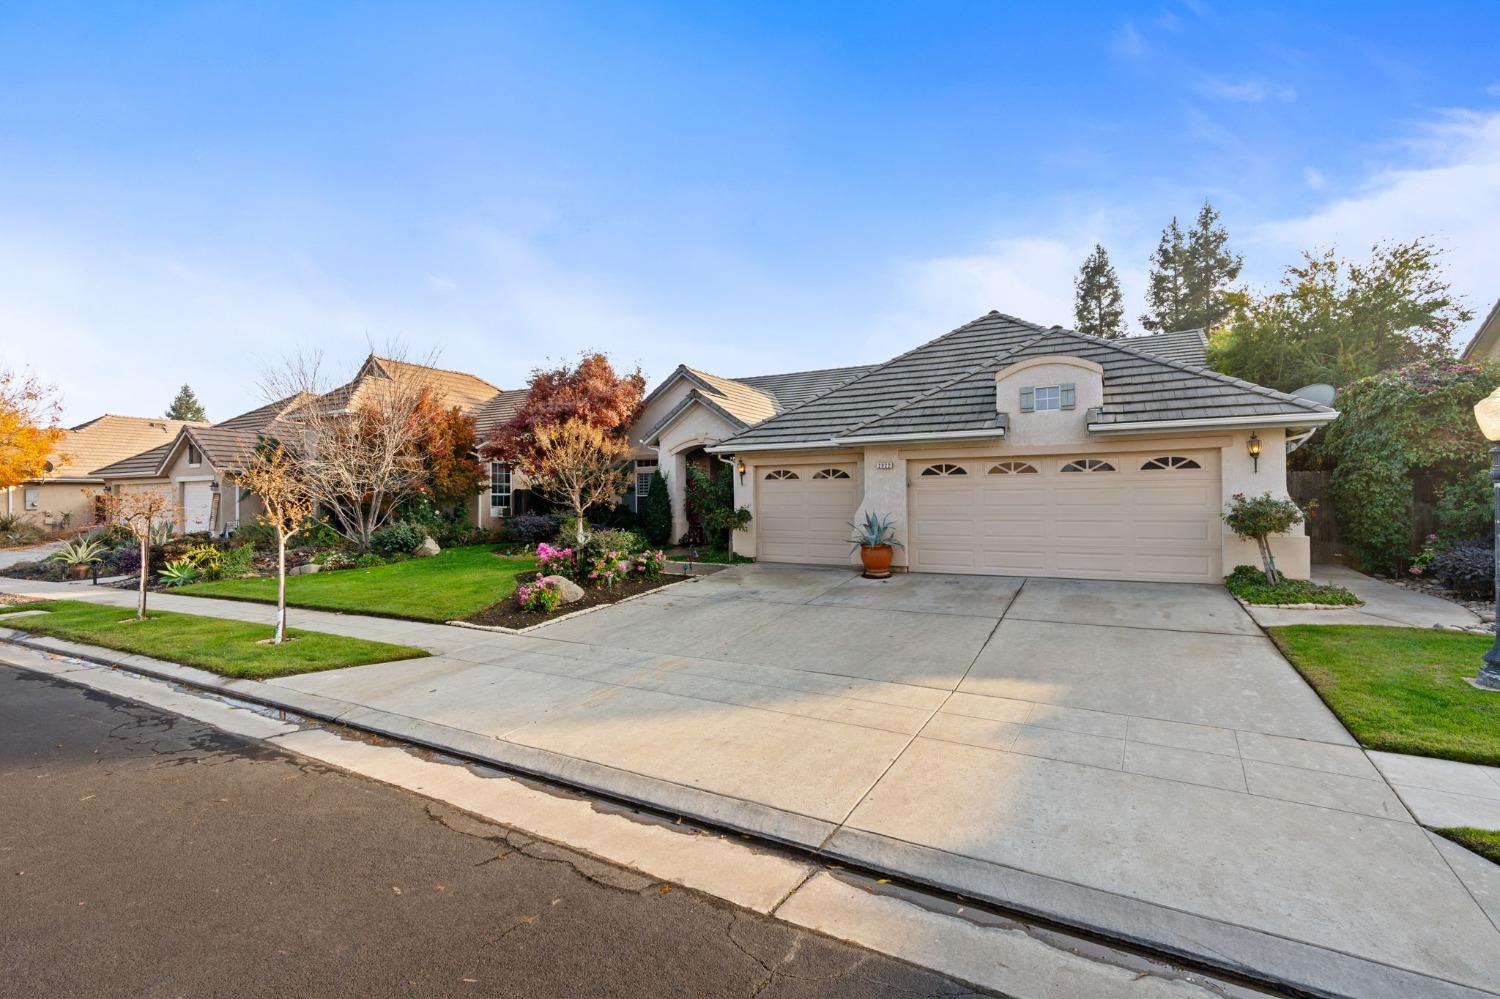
(79, 571)
(877, 560)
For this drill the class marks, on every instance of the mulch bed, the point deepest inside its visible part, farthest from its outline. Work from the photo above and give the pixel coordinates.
(506, 614)
(15, 600)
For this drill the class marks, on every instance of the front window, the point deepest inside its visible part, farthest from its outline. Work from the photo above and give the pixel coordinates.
(643, 472)
(31, 498)
(499, 489)
(1048, 397)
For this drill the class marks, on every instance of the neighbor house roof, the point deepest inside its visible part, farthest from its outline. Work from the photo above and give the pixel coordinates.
(744, 402)
(1486, 343)
(224, 444)
(946, 387)
(453, 388)
(500, 409)
(1188, 347)
(106, 439)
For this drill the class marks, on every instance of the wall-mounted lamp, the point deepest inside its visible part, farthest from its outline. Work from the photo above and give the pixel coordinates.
(739, 466)
(1253, 445)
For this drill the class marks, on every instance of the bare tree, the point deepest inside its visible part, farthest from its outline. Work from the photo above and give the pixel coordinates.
(142, 512)
(275, 476)
(357, 444)
(578, 464)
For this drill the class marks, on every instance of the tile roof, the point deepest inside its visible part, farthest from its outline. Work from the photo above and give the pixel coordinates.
(106, 439)
(454, 388)
(796, 387)
(224, 443)
(946, 386)
(500, 409)
(1188, 347)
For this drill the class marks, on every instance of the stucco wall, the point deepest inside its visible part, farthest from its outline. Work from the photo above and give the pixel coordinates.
(1293, 552)
(1049, 426)
(59, 504)
(655, 412)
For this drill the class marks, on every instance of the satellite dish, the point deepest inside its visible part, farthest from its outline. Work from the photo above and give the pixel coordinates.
(1319, 393)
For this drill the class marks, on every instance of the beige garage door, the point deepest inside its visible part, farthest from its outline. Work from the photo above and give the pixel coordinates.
(197, 506)
(802, 512)
(1149, 516)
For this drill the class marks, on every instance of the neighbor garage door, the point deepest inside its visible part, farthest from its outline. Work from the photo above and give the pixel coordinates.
(802, 512)
(197, 506)
(1149, 516)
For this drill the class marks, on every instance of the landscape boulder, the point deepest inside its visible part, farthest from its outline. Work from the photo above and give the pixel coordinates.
(427, 548)
(571, 591)
(304, 570)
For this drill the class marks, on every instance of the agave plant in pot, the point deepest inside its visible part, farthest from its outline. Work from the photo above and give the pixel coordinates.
(79, 556)
(875, 540)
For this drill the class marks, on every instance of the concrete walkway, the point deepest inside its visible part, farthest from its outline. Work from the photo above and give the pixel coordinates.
(14, 556)
(1386, 605)
(1443, 793)
(1135, 759)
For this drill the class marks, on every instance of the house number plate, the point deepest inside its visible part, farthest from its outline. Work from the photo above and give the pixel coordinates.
(883, 465)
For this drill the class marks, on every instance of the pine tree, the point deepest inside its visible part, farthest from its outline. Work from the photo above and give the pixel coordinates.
(1097, 309)
(1208, 272)
(1166, 293)
(186, 407)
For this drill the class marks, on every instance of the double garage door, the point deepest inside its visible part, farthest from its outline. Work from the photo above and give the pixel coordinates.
(1147, 516)
(1152, 516)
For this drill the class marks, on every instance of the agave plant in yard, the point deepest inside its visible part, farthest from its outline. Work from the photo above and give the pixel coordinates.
(79, 555)
(179, 572)
(875, 540)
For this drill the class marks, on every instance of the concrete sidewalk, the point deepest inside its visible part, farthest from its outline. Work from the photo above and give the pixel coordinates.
(1386, 605)
(1135, 759)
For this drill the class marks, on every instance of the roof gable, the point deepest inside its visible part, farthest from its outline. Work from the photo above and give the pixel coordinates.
(107, 439)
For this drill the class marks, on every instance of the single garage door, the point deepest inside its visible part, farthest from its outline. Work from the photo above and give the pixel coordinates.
(197, 506)
(1148, 516)
(802, 512)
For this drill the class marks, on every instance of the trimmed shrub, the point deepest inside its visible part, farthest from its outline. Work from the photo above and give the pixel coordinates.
(368, 560)
(400, 536)
(531, 528)
(656, 517)
(609, 539)
(1468, 568)
(333, 561)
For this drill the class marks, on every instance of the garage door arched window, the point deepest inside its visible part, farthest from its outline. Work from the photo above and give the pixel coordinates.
(944, 469)
(777, 474)
(1013, 468)
(1087, 465)
(830, 473)
(1167, 462)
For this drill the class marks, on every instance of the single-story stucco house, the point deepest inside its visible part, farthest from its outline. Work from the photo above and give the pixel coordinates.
(1004, 447)
(63, 498)
(197, 465)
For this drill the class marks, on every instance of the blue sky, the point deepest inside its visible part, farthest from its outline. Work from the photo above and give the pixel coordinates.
(189, 191)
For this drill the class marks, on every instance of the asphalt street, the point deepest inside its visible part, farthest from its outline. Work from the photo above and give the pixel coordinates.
(144, 854)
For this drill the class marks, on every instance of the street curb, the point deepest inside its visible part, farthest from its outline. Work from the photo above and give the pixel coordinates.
(1243, 952)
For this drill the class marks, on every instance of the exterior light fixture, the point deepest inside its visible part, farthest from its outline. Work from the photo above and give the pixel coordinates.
(1253, 446)
(1487, 415)
(739, 466)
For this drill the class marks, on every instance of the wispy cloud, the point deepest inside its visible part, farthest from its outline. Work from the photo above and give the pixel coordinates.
(1493, 89)
(1250, 91)
(441, 284)
(1314, 178)
(1128, 42)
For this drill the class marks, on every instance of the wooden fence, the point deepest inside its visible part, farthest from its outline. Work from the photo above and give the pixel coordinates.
(1323, 527)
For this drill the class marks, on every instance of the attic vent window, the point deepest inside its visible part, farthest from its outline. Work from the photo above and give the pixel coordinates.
(1169, 462)
(830, 473)
(1013, 468)
(1087, 465)
(944, 469)
(777, 474)
(1048, 398)
(195, 457)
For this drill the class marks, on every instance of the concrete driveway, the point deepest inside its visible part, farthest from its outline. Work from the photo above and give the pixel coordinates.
(1135, 758)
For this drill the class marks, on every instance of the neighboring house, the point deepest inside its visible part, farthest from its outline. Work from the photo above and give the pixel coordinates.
(198, 464)
(1486, 343)
(693, 409)
(505, 491)
(1010, 448)
(64, 497)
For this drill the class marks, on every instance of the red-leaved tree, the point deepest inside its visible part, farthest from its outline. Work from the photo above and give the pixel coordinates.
(446, 442)
(590, 392)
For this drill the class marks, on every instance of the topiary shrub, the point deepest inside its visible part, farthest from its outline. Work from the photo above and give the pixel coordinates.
(1256, 518)
(656, 515)
(1394, 427)
(1467, 568)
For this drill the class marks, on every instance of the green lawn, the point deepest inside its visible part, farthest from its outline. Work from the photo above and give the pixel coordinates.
(1403, 690)
(229, 648)
(1485, 842)
(453, 584)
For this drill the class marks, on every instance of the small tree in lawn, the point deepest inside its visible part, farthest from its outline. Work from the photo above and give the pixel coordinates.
(142, 512)
(274, 475)
(1256, 518)
(577, 465)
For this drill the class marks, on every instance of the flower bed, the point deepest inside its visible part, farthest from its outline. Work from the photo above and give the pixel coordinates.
(605, 575)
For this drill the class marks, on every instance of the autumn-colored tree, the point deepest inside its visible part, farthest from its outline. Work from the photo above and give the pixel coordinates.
(446, 443)
(577, 465)
(589, 391)
(275, 476)
(142, 511)
(29, 427)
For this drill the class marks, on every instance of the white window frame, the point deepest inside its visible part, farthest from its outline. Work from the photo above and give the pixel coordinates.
(1046, 398)
(500, 498)
(644, 469)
